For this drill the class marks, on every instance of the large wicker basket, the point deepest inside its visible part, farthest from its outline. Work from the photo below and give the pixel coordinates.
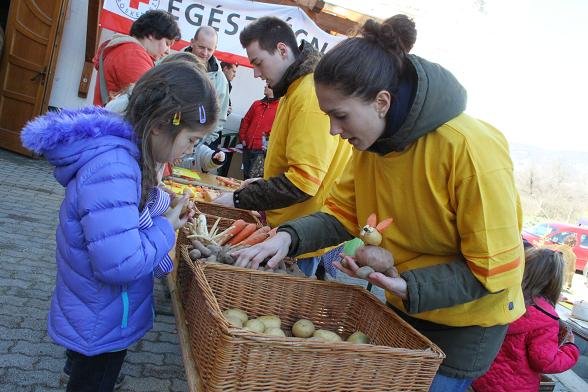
(233, 359)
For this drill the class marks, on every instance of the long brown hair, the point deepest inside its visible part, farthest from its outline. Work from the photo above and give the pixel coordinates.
(543, 275)
(175, 89)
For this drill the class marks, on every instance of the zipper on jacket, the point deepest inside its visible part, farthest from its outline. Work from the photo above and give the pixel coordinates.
(125, 303)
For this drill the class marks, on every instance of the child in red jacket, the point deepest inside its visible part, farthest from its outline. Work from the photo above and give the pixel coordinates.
(537, 342)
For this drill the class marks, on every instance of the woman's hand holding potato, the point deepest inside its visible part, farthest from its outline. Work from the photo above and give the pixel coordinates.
(395, 285)
(276, 247)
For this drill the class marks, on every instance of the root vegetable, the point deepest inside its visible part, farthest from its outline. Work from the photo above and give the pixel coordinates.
(214, 249)
(303, 328)
(255, 325)
(229, 233)
(243, 234)
(358, 337)
(275, 332)
(271, 321)
(234, 321)
(195, 254)
(364, 272)
(200, 246)
(327, 336)
(201, 225)
(258, 236)
(237, 313)
(376, 257)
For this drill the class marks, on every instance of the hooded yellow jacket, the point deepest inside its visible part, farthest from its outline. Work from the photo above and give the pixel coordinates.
(301, 147)
(451, 192)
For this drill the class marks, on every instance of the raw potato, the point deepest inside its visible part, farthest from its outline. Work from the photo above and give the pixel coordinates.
(255, 325)
(271, 321)
(358, 337)
(195, 254)
(237, 313)
(275, 332)
(364, 272)
(378, 258)
(234, 321)
(303, 328)
(327, 336)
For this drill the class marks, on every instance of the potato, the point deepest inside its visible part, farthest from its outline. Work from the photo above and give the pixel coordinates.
(303, 328)
(364, 272)
(237, 313)
(234, 321)
(275, 332)
(255, 325)
(376, 257)
(271, 321)
(358, 337)
(195, 254)
(327, 336)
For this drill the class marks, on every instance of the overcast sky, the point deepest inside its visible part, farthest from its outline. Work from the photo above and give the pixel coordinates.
(523, 62)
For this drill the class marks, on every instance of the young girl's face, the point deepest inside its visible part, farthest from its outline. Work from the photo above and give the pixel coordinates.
(165, 150)
(359, 122)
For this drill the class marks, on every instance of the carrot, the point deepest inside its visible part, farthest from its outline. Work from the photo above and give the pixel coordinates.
(243, 234)
(258, 236)
(229, 233)
(228, 181)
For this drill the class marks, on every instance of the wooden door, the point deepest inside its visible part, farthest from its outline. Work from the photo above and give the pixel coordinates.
(31, 46)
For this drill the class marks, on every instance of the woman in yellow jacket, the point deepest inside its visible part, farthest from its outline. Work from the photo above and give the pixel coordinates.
(444, 177)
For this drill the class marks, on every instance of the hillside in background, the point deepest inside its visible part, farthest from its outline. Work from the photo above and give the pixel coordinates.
(553, 184)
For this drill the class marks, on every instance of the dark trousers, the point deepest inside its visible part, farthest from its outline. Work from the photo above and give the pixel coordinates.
(251, 168)
(97, 373)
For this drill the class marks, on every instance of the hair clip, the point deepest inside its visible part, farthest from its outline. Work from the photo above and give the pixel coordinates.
(202, 114)
(177, 118)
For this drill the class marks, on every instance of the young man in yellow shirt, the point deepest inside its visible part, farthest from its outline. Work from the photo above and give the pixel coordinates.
(303, 160)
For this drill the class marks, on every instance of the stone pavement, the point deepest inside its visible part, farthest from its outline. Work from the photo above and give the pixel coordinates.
(29, 360)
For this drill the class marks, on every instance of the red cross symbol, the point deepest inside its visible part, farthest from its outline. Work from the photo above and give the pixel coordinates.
(135, 3)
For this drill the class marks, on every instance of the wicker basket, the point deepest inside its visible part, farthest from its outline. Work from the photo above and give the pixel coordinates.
(233, 359)
(226, 212)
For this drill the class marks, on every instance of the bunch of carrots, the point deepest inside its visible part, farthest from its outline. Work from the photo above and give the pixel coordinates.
(217, 246)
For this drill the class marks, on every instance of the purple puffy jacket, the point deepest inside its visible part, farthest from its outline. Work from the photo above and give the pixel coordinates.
(103, 299)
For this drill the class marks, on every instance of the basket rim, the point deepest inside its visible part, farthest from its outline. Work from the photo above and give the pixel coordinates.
(239, 210)
(199, 267)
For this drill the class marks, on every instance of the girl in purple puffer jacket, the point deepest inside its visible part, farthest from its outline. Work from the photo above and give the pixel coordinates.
(115, 226)
(537, 342)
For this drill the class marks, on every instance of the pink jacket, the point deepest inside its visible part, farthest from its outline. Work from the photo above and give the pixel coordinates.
(530, 348)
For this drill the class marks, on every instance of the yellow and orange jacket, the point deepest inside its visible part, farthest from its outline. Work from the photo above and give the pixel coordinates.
(451, 192)
(301, 147)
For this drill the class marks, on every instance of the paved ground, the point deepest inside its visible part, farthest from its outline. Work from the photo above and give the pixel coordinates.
(29, 361)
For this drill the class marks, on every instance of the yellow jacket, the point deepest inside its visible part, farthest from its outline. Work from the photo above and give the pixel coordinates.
(301, 147)
(450, 192)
